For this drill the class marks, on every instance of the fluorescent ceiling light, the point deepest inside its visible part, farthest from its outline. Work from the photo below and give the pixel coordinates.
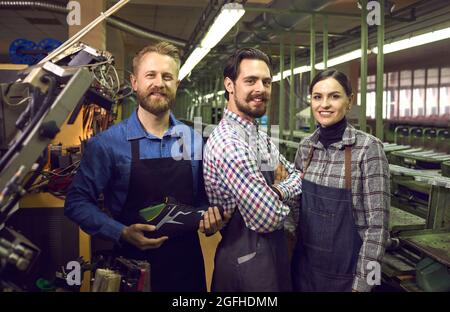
(331, 62)
(387, 48)
(229, 15)
(344, 58)
(287, 73)
(415, 41)
(192, 61)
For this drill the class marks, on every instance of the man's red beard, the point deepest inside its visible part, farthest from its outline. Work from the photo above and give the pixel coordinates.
(156, 106)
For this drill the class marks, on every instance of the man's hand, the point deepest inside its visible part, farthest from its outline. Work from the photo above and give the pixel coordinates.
(212, 221)
(134, 234)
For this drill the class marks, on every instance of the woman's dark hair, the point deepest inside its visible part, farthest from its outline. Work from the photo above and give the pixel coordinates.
(332, 73)
(231, 69)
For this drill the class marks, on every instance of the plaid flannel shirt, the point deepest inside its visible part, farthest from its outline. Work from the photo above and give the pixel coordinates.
(234, 157)
(370, 189)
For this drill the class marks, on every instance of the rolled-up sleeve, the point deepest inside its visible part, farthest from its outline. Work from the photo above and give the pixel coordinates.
(81, 205)
(292, 185)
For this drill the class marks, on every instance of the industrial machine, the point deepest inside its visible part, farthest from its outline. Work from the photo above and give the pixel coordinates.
(32, 110)
(420, 209)
(51, 94)
(420, 220)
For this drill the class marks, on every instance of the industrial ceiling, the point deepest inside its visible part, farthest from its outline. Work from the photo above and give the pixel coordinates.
(186, 20)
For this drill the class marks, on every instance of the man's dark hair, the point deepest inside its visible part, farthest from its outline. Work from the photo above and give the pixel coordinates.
(231, 69)
(332, 73)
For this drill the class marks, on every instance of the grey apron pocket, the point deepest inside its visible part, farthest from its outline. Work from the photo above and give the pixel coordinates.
(318, 232)
(257, 270)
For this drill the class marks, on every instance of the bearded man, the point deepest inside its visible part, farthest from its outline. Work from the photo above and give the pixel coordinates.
(137, 163)
(238, 168)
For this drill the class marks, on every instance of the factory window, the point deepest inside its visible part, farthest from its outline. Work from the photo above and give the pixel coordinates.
(370, 112)
(407, 94)
(392, 86)
(386, 104)
(370, 98)
(419, 93)
(444, 94)
(371, 83)
(432, 101)
(386, 95)
(432, 94)
(445, 76)
(445, 101)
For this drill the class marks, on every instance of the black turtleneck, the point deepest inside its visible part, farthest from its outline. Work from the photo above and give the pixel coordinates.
(333, 133)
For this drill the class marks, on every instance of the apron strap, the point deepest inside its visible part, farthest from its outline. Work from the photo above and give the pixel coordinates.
(135, 150)
(348, 167)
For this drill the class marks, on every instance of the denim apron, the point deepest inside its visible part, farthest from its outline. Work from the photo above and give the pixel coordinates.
(249, 261)
(328, 245)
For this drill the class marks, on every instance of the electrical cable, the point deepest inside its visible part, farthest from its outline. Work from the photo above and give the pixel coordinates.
(18, 103)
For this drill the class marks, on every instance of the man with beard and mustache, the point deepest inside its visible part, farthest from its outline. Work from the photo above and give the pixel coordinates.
(136, 164)
(238, 168)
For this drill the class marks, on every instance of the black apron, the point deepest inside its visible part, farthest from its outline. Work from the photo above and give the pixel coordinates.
(327, 249)
(249, 261)
(178, 264)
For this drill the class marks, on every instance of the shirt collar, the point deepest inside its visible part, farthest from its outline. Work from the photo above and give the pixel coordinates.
(135, 130)
(247, 124)
(348, 138)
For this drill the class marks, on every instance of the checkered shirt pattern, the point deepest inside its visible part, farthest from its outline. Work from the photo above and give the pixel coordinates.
(234, 157)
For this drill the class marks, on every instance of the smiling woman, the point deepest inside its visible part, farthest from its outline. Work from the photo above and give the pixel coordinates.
(331, 97)
(343, 218)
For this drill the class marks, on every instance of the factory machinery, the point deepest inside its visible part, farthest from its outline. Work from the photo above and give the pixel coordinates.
(420, 211)
(32, 110)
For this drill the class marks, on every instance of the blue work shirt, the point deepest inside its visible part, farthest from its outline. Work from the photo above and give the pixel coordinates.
(106, 166)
